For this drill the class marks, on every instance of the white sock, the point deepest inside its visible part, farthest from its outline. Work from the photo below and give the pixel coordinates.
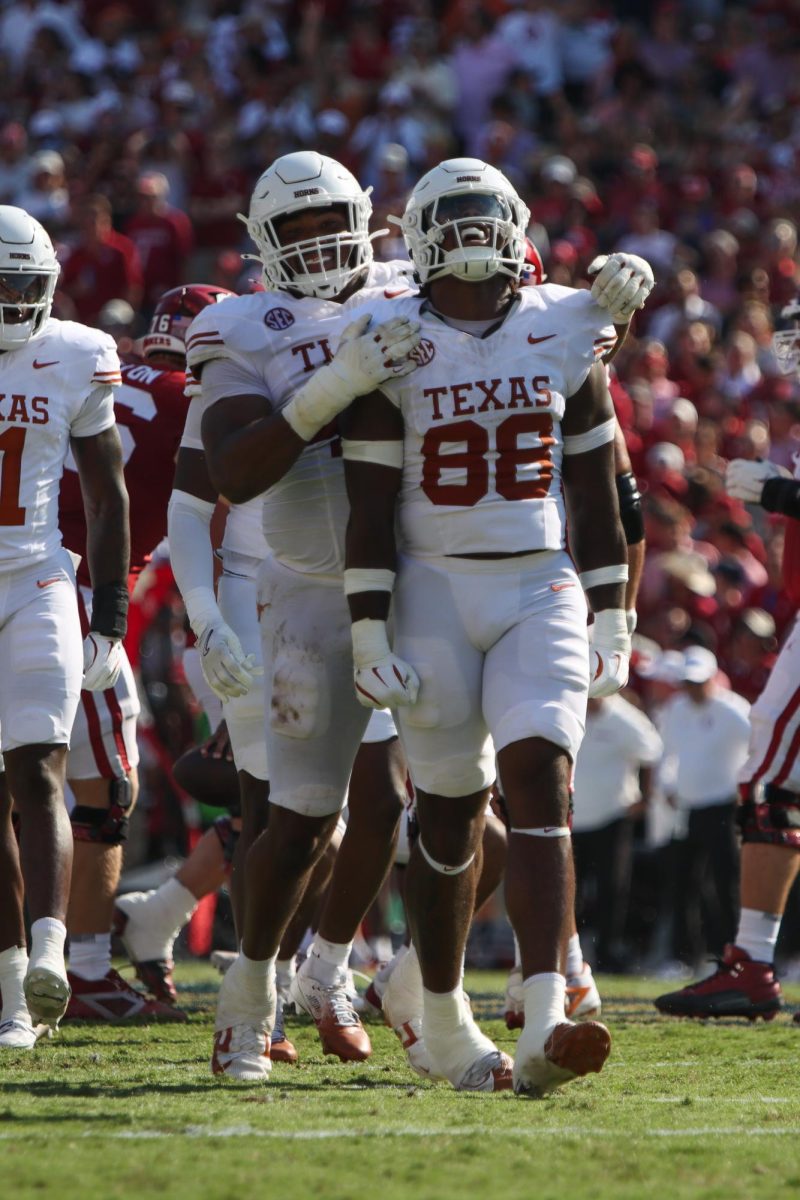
(170, 906)
(285, 971)
(758, 933)
(327, 961)
(574, 956)
(13, 965)
(517, 954)
(453, 1039)
(254, 975)
(544, 998)
(90, 955)
(48, 936)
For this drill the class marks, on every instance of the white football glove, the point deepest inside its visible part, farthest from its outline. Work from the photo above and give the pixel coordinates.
(745, 479)
(102, 662)
(609, 652)
(382, 679)
(364, 360)
(623, 283)
(228, 671)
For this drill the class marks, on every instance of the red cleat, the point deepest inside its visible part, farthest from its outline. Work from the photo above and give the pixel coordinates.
(113, 999)
(740, 987)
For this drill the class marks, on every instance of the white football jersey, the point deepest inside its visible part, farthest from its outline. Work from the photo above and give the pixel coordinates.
(482, 444)
(56, 387)
(275, 341)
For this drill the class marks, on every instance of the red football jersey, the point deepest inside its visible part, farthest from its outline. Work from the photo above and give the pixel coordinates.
(150, 408)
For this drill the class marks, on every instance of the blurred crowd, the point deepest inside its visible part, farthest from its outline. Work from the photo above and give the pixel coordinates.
(135, 132)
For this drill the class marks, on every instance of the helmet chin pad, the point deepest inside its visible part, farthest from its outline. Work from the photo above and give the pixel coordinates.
(472, 263)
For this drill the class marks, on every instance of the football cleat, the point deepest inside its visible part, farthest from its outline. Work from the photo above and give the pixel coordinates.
(281, 1049)
(468, 1059)
(149, 949)
(113, 999)
(46, 994)
(514, 1013)
(402, 1010)
(568, 1052)
(331, 1009)
(17, 1035)
(156, 975)
(490, 1073)
(740, 987)
(583, 1001)
(242, 1052)
(242, 1032)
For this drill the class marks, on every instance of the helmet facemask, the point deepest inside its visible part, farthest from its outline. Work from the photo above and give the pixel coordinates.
(321, 266)
(480, 228)
(26, 298)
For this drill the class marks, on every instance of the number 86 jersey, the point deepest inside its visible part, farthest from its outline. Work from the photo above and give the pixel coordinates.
(483, 445)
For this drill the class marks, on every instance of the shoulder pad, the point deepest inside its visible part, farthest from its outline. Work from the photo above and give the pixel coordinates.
(234, 329)
(84, 349)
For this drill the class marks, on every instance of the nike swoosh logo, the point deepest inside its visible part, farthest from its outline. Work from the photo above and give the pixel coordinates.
(37, 366)
(391, 295)
(533, 340)
(559, 587)
(46, 582)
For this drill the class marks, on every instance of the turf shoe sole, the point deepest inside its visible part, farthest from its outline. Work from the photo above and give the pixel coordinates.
(569, 1052)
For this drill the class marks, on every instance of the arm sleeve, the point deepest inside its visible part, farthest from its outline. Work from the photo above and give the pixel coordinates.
(95, 414)
(189, 525)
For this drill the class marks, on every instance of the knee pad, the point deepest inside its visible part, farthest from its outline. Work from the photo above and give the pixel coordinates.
(455, 776)
(228, 836)
(105, 826)
(773, 819)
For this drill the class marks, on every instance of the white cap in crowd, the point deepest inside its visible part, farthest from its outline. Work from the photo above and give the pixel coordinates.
(699, 665)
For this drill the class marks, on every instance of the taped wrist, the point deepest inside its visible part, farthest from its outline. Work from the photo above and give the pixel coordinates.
(611, 627)
(782, 496)
(317, 402)
(630, 507)
(110, 610)
(370, 641)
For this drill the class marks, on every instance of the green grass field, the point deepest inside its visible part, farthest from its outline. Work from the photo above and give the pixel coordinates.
(682, 1109)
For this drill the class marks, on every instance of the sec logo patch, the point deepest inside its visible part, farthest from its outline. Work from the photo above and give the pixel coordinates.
(423, 353)
(278, 318)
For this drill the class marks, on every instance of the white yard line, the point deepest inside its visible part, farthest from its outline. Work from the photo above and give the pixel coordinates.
(371, 1132)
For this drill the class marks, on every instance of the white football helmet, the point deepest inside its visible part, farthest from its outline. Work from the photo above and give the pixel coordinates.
(462, 195)
(28, 274)
(786, 342)
(293, 184)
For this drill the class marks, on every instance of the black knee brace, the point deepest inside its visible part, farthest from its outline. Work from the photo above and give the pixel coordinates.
(105, 826)
(774, 820)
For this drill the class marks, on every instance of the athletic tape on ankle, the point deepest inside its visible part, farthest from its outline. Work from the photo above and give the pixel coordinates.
(440, 867)
(548, 831)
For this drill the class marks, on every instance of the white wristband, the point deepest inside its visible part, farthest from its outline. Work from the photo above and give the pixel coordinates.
(616, 573)
(367, 579)
(370, 641)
